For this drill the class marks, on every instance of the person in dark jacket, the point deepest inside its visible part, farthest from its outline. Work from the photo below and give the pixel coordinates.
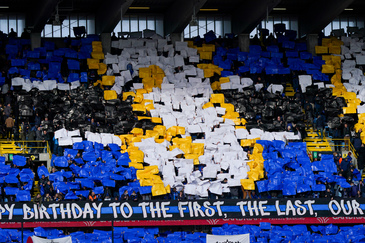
(336, 159)
(47, 188)
(39, 138)
(357, 142)
(345, 165)
(46, 139)
(354, 190)
(362, 188)
(181, 196)
(347, 135)
(125, 196)
(320, 126)
(174, 194)
(361, 158)
(349, 158)
(107, 193)
(37, 120)
(309, 116)
(37, 199)
(43, 180)
(328, 193)
(134, 196)
(337, 135)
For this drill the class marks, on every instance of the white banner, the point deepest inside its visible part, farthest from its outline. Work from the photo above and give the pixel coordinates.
(228, 238)
(35, 239)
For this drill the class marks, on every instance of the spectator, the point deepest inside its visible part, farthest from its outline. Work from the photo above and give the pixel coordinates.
(81, 197)
(339, 191)
(134, 196)
(125, 196)
(361, 158)
(47, 188)
(1, 111)
(47, 198)
(362, 188)
(235, 192)
(174, 194)
(58, 197)
(355, 189)
(12, 34)
(43, 180)
(29, 164)
(7, 110)
(349, 157)
(278, 122)
(107, 193)
(31, 137)
(345, 165)
(37, 199)
(309, 116)
(92, 197)
(37, 120)
(45, 139)
(56, 149)
(320, 126)
(25, 34)
(114, 37)
(9, 123)
(337, 135)
(23, 132)
(357, 142)
(181, 196)
(328, 193)
(39, 137)
(355, 175)
(347, 136)
(336, 159)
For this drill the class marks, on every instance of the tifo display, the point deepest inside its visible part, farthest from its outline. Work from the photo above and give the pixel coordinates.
(186, 133)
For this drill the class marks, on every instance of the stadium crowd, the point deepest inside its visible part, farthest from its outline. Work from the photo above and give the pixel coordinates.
(36, 115)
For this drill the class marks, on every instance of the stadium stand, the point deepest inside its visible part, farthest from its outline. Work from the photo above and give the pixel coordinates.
(207, 121)
(183, 121)
(263, 232)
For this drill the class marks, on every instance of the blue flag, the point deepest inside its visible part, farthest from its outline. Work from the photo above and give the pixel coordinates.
(23, 196)
(42, 170)
(11, 190)
(61, 162)
(19, 160)
(99, 190)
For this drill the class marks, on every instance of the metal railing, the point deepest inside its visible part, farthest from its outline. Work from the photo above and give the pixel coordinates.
(24, 147)
(350, 146)
(335, 144)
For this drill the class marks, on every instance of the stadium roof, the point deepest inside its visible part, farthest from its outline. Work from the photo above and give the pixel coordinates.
(313, 15)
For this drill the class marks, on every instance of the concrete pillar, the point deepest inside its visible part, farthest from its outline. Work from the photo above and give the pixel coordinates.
(244, 42)
(176, 37)
(35, 40)
(312, 41)
(106, 41)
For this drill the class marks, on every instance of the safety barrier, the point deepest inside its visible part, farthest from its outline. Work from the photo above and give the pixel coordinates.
(350, 146)
(328, 145)
(24, 147)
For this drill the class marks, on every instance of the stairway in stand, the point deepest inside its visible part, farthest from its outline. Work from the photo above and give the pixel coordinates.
(10, 147)
(314, 142)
